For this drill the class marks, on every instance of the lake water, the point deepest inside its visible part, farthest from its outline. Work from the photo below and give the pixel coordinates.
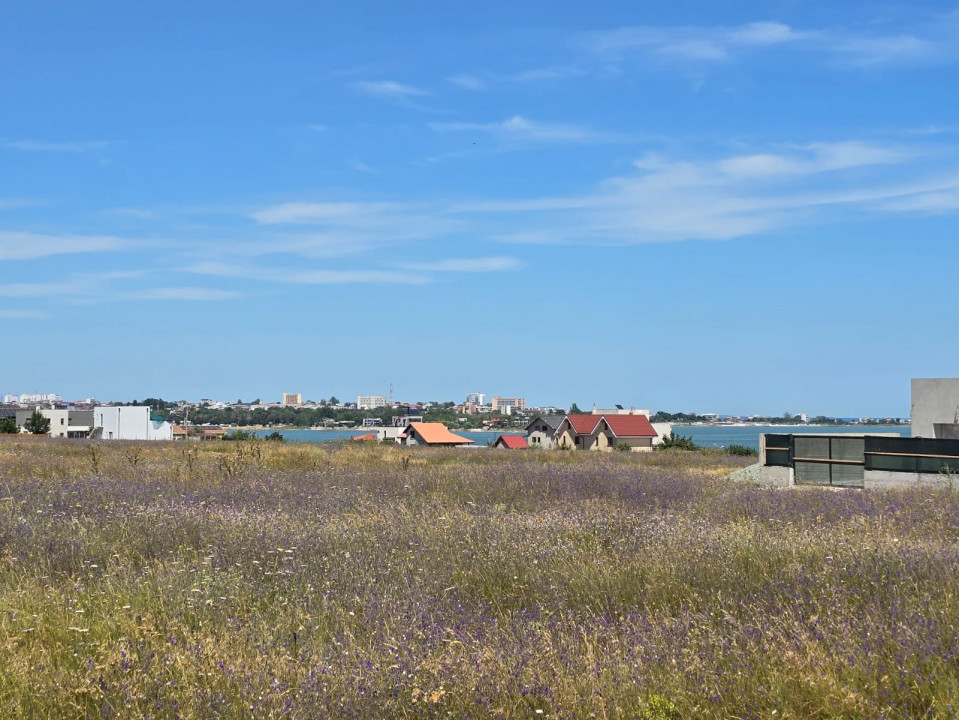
(723, 435)
(704, 435)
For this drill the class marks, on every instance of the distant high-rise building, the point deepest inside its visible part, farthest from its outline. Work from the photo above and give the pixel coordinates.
(476, 398)
(370, 402)
(292, 399)
(502, 403)
(27, 398)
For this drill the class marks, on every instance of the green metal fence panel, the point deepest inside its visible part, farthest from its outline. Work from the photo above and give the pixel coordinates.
(848, 448)
(811, 447)
(808, 473)
(847, 475)
(891, 463)
(778, 450)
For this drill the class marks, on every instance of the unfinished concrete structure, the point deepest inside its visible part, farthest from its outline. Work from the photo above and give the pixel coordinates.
(935, 408)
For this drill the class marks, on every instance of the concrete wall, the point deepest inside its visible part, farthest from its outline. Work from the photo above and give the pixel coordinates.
(883, 479)
(764, 475)
(662, 430)
(934, 400)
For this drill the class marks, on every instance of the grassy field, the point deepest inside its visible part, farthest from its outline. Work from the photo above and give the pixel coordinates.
(237, 580)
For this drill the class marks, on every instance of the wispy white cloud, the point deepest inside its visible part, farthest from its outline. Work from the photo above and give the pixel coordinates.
(21, 314)
(79, 287)
(812, 158)
(691, 42)
(132, 212)
(15, 203)
(487, 80)
(30, 246)
(468, 265)
(388, 88)
(184, 293)
(320, 212)
(301, 276)
(336, 229)
(670, 200)
(523, 129)
(543, 74)
(82, 146)
(930, 42)
(467, 82)
(361, 166)
(886, 50)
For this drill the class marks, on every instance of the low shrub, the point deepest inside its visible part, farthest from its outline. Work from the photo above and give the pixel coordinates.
(677, 442)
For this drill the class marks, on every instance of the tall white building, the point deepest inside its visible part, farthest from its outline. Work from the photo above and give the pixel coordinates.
(476, 398)
(370, 402)
(26, 399)
(131, 423)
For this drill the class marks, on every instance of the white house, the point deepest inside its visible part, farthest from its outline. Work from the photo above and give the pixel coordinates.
(131, 423)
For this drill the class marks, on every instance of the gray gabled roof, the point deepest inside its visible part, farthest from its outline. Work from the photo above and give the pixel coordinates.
(552, 420)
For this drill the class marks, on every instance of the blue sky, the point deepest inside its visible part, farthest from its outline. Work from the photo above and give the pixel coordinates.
(731, 207)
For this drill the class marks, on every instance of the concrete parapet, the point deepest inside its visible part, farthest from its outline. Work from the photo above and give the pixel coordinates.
(884, 479)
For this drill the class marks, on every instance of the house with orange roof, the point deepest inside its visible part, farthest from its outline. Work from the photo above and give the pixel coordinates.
(433, 434)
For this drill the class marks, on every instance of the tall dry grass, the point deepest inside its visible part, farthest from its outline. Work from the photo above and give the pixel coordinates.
(236, 580)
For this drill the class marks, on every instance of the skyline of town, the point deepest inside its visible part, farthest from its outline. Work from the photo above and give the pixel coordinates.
(472, 398)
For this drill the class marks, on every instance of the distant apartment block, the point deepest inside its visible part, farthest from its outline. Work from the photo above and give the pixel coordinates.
(475, 398)
(370, 402)
(292, 399)
(26, 399)
(620, 410)
(505, 404)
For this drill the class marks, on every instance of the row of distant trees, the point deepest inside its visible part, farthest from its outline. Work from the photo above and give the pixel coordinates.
(444, 412)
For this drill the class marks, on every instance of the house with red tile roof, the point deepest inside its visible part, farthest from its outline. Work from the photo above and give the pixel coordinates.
(511, 442)
(634, 431)
(434, 434)
(604, 432)
(577, 432)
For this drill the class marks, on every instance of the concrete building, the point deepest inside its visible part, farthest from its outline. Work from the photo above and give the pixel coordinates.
(370, 402)
(507, 405)
(59, 420)
(28, 399)
(130, 423)
(63, 423)
(935, 408)
(292, 399)
(620, 410)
